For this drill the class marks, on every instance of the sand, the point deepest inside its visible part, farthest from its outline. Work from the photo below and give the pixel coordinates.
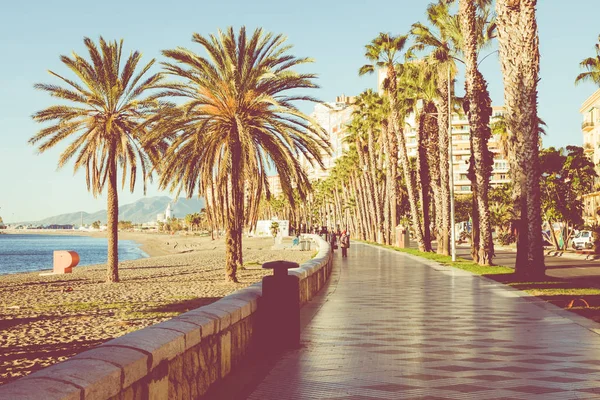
(47, 319)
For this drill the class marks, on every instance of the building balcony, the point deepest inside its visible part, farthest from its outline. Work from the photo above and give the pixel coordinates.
(588, 148)
(587, 126)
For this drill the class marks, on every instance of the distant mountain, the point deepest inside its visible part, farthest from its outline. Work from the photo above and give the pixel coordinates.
(143, 210)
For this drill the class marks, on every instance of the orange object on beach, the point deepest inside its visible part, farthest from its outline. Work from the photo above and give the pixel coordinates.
(64, 261)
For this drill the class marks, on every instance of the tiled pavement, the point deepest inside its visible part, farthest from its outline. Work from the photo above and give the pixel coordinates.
(396, 327)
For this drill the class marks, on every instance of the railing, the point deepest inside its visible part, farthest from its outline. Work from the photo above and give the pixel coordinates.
(587, 124)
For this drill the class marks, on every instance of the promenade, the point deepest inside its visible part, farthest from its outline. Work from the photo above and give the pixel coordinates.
(392, 326)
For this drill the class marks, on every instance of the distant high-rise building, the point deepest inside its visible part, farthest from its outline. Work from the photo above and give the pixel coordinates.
(461, 151)
(333, 117)
(274, 185)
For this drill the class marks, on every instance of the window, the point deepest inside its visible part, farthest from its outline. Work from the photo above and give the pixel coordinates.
(465, 188)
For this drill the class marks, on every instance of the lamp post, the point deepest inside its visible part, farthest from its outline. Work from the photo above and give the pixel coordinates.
(451, 172)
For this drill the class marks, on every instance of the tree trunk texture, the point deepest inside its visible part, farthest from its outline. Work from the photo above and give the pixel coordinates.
(479, 112)
(393, 179)
(423, 175)
(519, 59)
(387, 187)
(113, 223)
(397, 126)
(444, 161)
(433, 161)
(374, 186)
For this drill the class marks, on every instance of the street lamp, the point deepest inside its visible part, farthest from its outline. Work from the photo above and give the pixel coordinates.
(451, 171)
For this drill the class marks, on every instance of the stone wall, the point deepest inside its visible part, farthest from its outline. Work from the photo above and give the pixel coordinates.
(176, 359)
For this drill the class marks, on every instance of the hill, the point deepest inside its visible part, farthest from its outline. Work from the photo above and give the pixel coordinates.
(143, 210)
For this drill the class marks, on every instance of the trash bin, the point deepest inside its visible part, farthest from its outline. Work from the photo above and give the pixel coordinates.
(279, 308)
(403, 237)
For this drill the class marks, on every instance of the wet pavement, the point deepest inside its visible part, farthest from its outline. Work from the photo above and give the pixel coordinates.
(398, 327)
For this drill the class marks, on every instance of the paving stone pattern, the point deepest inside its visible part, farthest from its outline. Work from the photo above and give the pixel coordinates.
(398, 328)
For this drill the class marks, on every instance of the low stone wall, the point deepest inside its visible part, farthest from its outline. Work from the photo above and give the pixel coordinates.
(176, 359)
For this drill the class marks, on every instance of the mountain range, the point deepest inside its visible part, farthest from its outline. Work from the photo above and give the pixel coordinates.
(143, 210)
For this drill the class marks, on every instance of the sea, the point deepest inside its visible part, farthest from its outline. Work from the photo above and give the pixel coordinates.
(28, 253)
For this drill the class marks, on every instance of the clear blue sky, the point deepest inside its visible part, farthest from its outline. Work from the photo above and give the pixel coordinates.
(333, 32)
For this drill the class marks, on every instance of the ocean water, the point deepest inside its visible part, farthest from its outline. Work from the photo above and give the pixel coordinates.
(26, 253)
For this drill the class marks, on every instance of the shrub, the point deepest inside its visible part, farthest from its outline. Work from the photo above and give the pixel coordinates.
(506, 238)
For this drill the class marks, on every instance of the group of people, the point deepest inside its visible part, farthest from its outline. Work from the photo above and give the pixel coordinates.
(344, 239)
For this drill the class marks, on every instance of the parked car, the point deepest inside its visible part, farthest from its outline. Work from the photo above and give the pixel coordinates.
(583, 240)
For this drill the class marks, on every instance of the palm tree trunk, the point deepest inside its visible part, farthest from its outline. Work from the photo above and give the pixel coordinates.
(397, 126)
(410, 188)
(235, 217)
(395, 186)
(113, 224)
(479, 112)
(519, 59)
(374, 185)
(433, 161)
(444, 157)
(424, 181)
(387, 187)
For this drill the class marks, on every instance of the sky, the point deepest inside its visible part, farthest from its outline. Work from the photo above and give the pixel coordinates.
(34, 34)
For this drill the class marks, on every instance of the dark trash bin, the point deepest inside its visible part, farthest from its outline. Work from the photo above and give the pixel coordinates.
(280, 307)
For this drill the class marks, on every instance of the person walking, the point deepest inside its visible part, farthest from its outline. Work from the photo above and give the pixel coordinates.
(333, 240)
(345, 243)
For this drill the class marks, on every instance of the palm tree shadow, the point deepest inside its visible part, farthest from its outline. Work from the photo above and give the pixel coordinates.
(182, 306)
(569, 294)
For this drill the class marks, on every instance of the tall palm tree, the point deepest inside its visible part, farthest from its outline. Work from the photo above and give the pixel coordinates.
(368, 104)
(238, 117)
(519, 59)
(104, 117)
(439, 41)
(383, 52)
(479, 111)
(418, 81)
(592, 65)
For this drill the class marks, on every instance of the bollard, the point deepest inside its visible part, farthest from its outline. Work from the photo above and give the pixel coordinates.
(280, 307)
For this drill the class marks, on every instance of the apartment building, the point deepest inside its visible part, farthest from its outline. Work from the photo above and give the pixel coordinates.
(334, 118)
(461, 151)
(590, 129)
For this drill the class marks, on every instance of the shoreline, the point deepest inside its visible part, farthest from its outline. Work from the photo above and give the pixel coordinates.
(47, 319)
(153, 244)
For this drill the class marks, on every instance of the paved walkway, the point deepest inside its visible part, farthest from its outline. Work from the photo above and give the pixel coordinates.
(396, 327)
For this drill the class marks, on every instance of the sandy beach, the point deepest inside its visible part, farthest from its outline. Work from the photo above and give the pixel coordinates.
(46, 319)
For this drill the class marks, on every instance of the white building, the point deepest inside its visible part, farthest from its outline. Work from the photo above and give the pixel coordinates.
(274, 185)
(590, 127)
(164, 217)
(333, 117)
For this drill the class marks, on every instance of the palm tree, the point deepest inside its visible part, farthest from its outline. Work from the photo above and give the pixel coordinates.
(418, 81)
(104, 118)
(383, 52)
(440, 40)
(238, 117)
(479, 111)
(519, 59)
(592, 65)
(368, 104)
